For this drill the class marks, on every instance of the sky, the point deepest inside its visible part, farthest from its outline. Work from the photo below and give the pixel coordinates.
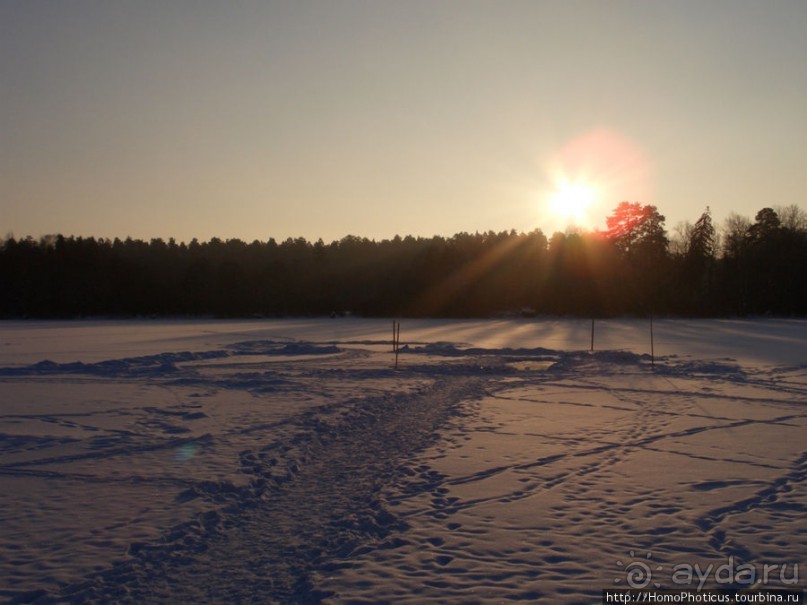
(321, 119)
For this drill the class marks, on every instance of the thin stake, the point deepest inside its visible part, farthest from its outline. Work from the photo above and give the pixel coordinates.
(397, 342)
(592, 333)
(652, 347)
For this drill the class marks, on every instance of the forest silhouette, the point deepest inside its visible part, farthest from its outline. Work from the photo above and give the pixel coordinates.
(633, 267)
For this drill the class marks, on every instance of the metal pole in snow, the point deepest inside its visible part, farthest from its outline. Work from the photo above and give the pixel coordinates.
(652, 347)
(592, 333)
(397, 343)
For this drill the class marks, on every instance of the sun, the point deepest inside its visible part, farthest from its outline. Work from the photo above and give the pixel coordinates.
(571, 200)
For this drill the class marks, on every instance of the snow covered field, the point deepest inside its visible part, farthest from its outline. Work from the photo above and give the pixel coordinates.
(287, 461)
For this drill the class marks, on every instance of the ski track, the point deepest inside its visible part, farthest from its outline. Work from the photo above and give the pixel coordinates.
(344, 499)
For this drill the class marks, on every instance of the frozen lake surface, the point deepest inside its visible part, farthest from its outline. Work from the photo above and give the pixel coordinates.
(287, 461)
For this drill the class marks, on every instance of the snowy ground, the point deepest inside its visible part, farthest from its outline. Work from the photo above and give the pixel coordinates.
(287, 461)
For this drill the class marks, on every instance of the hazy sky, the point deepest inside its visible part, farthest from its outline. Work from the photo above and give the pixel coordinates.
(202, 118)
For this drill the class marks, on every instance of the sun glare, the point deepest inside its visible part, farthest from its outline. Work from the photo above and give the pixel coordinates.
(570, 201)
(597, 168)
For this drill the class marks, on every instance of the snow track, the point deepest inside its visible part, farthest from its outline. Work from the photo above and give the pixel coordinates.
(302, 507)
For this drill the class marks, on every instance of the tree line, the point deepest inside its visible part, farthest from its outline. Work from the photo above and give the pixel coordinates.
(633, 267)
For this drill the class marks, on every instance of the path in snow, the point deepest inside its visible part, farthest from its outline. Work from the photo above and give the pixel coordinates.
(322, 501)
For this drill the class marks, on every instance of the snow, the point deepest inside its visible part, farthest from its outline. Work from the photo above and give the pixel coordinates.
(287, 461)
